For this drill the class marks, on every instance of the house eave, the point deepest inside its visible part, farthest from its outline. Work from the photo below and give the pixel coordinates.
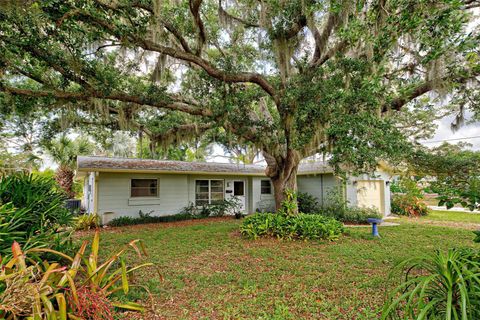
(170, 172)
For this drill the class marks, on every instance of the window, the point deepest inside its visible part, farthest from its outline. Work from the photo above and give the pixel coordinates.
(144, 188)
(202, 192)
(266, 187)
(208, 192)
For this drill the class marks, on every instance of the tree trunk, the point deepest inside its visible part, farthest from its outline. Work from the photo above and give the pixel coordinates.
(283, 173)
(64, 177)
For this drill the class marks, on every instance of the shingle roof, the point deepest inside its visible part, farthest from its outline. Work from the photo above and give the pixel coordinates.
(108, 164)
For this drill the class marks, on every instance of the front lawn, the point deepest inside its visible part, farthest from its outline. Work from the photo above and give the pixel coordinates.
(457, 216)
(210, 272)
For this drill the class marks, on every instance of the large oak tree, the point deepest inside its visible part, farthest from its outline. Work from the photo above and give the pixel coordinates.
(292, 77)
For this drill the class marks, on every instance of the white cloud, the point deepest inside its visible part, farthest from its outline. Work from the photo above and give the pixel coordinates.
(444, 132)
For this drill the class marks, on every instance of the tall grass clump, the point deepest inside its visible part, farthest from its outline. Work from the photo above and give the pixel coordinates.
(445, 285)
(32, 213)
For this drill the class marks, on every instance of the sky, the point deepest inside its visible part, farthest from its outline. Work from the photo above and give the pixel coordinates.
(445, 133)
(442, 133)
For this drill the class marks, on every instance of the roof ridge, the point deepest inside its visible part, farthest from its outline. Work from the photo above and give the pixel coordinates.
(103, 163)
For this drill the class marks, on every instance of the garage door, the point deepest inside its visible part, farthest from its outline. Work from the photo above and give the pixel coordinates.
(370, 194)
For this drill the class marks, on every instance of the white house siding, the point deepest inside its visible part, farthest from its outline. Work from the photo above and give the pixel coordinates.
(178, 190)
(193, 177)
(250, 194)
(321, 186)
(114, 195)
(261, 202)
(382, 177)
(89, 192)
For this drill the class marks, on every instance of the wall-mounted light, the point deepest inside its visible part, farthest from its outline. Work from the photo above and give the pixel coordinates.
(387, 183)
(355, 182)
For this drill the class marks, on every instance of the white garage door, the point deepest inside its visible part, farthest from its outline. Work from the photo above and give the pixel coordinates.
(370, 194)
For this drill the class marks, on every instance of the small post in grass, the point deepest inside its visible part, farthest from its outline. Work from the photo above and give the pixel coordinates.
(375, 223)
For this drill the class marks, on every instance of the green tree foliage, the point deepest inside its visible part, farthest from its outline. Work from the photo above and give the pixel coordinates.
(64, 152)
(186, 151)
(293, 78)
(452, 172)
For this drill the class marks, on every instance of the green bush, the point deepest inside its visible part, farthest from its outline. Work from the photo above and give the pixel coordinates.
(408, 205)
(33, 213)
(337, 207)
(301, 226)
(307, 203)
(87, 222)
(477, 236)
(41, 196)
(146, 218)
(443, 286)
(350, 214)
(219, 209)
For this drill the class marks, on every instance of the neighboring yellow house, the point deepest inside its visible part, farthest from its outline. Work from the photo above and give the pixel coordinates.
(116, 187)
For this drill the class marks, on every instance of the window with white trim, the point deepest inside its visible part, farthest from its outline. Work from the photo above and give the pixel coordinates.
(266, 187)
(208, 192)
(143, 188)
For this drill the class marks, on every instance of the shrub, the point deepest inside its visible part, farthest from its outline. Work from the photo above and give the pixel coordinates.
(477, 236)
(443, 286)
(12, 221)
(51, 291)
(227, 206)
(407, 185)
(219, 209)
(300, 226)
(350, 214)
(87, 222)
(41, 196)
(33, 213)
(408, 205)
(128, 221)
(336, 207)
(307, 203)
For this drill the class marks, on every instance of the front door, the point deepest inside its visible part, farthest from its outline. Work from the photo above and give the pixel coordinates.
(239, 193)
(236, 188)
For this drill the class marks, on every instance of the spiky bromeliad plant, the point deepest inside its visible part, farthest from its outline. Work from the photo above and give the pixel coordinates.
(442, 286)
(82, 290)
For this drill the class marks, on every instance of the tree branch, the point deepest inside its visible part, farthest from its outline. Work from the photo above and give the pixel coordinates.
(80, 96)
(46, 57)
(321, 39)
(224, 12)
(221, 75)
(181, 130)
(177, 35)
(339, 47)
(195, 10)
(421, 89)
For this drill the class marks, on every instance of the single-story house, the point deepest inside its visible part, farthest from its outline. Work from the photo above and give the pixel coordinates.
(116, 187)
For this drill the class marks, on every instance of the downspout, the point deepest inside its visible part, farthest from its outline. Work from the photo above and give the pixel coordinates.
(95, 192)
(321, 190)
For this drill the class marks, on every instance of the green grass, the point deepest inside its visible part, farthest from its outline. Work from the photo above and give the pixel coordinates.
(210, 272)
(454, 216)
